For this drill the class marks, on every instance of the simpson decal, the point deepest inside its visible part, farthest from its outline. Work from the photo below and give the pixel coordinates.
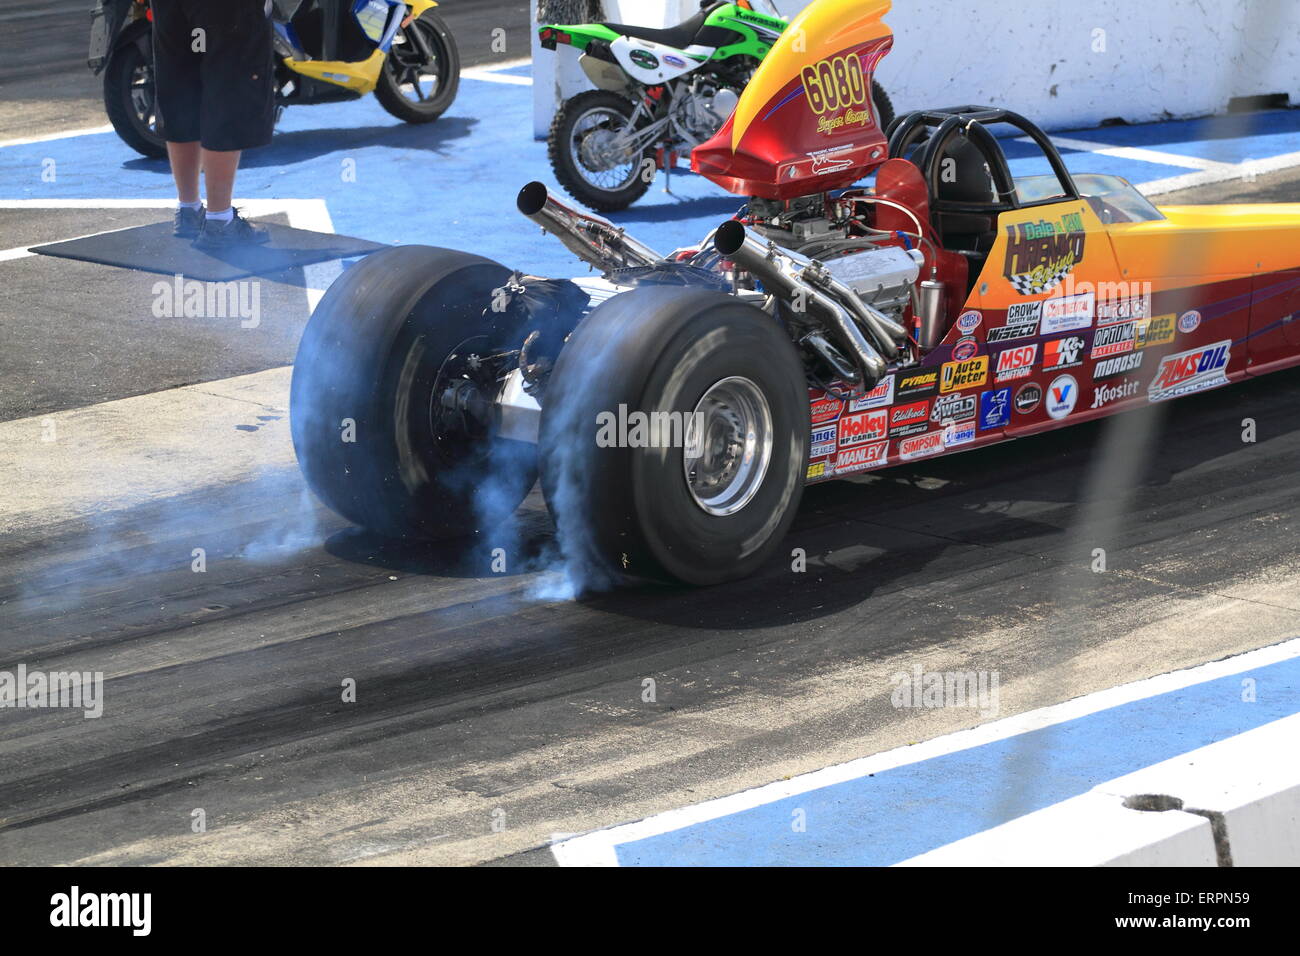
(1193, 371)
(1041, 254)
(923, 446)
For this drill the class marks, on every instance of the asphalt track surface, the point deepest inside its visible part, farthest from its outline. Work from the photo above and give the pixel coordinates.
(492, 714)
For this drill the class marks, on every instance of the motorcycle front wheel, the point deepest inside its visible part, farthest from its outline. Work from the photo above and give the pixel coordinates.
(421, 73)
(587, 157)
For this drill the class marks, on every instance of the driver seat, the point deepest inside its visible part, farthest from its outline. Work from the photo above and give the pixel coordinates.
(963, 176)
(678, 37)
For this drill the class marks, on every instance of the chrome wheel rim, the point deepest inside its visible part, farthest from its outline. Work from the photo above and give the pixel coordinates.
(596, 151)
(728, 446)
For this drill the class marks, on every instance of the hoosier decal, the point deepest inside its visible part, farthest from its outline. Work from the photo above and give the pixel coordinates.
(1193, 371)
(1041, 254)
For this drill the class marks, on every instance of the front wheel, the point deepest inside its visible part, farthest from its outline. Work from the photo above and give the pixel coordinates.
(884, 106)
(593, 155)
(421, 74)
(674, 438)
(129, 96)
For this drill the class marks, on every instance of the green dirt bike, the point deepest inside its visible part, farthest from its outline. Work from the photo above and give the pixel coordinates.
(659, 94)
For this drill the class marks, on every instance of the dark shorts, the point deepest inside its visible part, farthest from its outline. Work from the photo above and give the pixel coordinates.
(224, 95)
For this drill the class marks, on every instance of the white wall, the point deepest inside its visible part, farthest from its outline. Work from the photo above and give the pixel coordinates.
(1063, 63)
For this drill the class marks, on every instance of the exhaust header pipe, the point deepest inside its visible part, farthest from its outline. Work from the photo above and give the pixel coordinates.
(793, 276)
(595, 241)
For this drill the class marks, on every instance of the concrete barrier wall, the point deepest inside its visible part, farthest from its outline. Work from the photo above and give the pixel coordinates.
(1067, 64)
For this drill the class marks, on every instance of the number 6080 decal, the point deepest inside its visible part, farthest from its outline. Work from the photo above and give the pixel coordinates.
(834, 84)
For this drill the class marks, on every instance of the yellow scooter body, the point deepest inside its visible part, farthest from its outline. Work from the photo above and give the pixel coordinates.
(361, 76)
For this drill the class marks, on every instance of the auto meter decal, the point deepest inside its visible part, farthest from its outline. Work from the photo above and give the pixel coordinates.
(995, 409)
(1028, 398)
(964, 349)
(1063, 353)
(1113, 340)
(826, 409)
(1062, 396)
(953, 408)
(1068, 312)
(1041, 254)
(1192, 371)
(916, 384)
(863, 427)
(957, 376)
(1121, 365)
(879, 397)
(860, 459)
(922, 446)
(1022, 322)
(909, 419)
(968, 322)
(1016, 363)
(823, 442)
(1157, 331)
(1189, 322)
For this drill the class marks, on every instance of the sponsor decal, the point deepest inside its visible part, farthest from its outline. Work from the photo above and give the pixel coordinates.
(959, 376)
(1158, 331)
(1022, 322)
(958, 433)
(823, 442)
(1062, 396)
(1104, 395)
(878, 397)
(1113, 340)
(953, 408)
(1041, 254)
(916, 384)
(674, 60)
(909, 419)
(826, 409)
(1068, 312)
(995, 408)
(644, 59)
(922, 446)
(1189, 322)
(860, 459)
(1063, 353)
(964, 349)
(1121, 365)
(1028, 397)
(816, 470)
(1016, 363)
(1111, 310)
(968, 322)
(1192, 371)
(863, 427)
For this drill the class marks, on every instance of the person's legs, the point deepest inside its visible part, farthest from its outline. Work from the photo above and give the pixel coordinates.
(219, 168)
(187, 161)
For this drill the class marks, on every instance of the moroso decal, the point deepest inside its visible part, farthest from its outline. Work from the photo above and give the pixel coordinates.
(1120, 365)
(878, 397)
(916, 384)
(1041, 254)
(1157, 331)
(971, 373)
(1063, 353)
(909, 419)
(863, 427)
(1192, 371)
(860, 459)
(1022, 322)
(1016, 363)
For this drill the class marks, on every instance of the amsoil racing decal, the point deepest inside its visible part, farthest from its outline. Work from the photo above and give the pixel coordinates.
(1041, 254)
(1192, 371)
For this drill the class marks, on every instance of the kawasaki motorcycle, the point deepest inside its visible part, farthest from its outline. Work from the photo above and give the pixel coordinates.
(327, 51)
(659, 94)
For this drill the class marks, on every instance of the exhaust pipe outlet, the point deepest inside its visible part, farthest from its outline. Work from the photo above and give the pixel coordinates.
(595, 241)
(786, 274)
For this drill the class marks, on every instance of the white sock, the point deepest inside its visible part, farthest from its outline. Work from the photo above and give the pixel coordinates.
(225, 216)
(192, 206)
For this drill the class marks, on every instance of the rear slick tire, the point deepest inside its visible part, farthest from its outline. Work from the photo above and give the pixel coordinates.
(652, 511)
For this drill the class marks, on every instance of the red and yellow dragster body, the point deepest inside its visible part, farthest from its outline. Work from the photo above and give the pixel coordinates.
(1066, 299)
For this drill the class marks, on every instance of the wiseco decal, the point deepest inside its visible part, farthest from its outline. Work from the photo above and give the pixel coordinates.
(863, 427)
(1192, 371)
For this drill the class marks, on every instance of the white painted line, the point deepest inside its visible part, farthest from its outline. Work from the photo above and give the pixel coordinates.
(1133, 152)
(1242, 171)
(598, 848)
(491, 74)
(51, 137)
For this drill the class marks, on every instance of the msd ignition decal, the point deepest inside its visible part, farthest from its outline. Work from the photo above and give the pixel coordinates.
(922, 446)
(917, 384)
(1193, 371)
(1022, 322)
(968, 322)
(1158, 331)
(995, 409)
(1068, 312)
(860, 459)
(1062, 396)
(1120, 365)
(1028, 398)
(958, 376)
(1113, 340)
(878, 397)
(1041, 254)
(1016, 363)
(823, 442)
(909, 419)
(1063, 353)
(1106, 394)
(863, 427)
(953, 408)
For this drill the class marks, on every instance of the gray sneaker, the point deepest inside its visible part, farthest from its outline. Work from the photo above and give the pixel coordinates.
(188, 222)
(237, 232)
